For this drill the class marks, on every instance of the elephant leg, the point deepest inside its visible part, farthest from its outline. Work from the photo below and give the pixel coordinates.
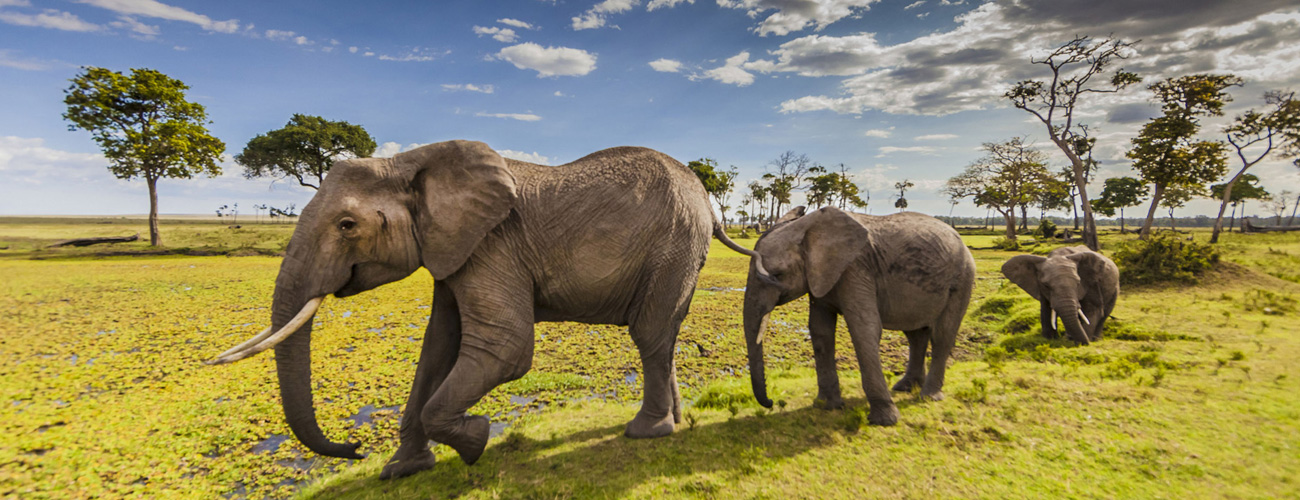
(917, 343)
(660, 398)
(658, 316)
(943, 338)
(1103, 315)
(821, 327)
(1045, 316)
(496, 347)
(437, 356)
(864, 329)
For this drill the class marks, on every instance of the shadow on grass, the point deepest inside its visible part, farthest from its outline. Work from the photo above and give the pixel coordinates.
(601, 463)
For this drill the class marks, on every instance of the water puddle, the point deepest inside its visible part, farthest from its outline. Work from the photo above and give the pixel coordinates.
(369, 413)
(270, 444)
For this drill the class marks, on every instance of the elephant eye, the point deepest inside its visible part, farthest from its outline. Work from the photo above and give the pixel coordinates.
(347, 224)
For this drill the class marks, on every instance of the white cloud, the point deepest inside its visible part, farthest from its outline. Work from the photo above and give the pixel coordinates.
(49, 18)
(879, 132)
(533, 157)
(516, 23)
(732, 72)
(549, 61)
(388, 149)
(29, 161)
(923, 15)
(130, 23)
(302, 40)
(914, 5)
(415, 55)
(155, 9)
(970, 66)
(887, 150)
(666, 65)
(486, 89)
(368, 54)
(279, 35)
(523, 117)
(505, 35)
(795, 15)
(352, 49)
(559, 94)
(596, 16)
(665, 4)
(935, 137)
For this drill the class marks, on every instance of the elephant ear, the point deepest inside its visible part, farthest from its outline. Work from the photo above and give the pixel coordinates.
(833, 240)
(462, 191)
(1091, 265)
(1023, 271)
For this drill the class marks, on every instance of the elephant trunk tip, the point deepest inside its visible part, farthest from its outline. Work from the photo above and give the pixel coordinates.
(764, 401)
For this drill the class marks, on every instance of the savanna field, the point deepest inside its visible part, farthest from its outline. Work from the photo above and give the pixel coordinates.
(1193, 393)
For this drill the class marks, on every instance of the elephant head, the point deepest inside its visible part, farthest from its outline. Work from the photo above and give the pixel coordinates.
(802, 254)
(374, 221)
(1059, 282)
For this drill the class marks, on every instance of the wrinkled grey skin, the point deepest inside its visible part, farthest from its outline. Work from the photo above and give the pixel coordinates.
(1067, 281)
(617, 237)
(905, 271)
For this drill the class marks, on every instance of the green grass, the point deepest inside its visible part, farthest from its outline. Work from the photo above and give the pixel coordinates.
(1192, 393)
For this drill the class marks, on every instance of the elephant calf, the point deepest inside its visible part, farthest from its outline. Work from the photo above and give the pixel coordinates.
(1075, 283)
(905, 271)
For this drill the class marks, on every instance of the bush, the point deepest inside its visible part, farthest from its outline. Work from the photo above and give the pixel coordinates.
(1006, 244)
(1046, 229)
(1163, 258)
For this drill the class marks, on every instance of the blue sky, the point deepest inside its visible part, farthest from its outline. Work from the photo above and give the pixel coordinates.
(891, 89)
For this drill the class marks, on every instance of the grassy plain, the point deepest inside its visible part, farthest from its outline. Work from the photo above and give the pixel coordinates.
(103, 394)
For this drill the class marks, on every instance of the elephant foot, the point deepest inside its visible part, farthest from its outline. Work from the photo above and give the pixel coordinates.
(883, 414)
(933, 396)
(401, 465)
(824, 403)
(907, 384)
(643, 427)
(469, 440)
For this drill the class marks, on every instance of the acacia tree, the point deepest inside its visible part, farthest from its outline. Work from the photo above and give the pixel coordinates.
(304, 149)
(847, 192)
(145, 126)
(1277, 204)
(718, 183)
(1280, 126)
(1119, 193)
(792, 170)
(902, 187)
(1002, 180)
(1073, 67)
(1247, 188)
(1166, 153)
(758, 194)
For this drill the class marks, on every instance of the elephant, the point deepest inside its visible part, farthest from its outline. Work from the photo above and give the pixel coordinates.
(1077, 284)
(617, 237)
(904, 271)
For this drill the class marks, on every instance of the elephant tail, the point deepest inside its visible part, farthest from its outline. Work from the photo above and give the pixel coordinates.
(721, 235)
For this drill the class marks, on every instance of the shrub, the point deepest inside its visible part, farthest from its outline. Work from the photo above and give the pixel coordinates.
(1163, 258)
(1046, 229)
(1006, 244)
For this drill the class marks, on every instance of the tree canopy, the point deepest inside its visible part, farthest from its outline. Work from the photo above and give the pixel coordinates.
(1073, 67)
(1166, 152)
(304, 149)
(145, 126)
(1005, 178)
(718, 183)
(1260, 133)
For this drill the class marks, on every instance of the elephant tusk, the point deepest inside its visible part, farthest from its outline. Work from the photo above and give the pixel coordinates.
(1084, 318)
(305, 315)
(1053, 318)
(248, 343)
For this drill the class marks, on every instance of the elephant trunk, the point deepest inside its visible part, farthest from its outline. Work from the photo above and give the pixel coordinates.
(1068, 310)
(1048, 319)
(756, 315)
(293, 367)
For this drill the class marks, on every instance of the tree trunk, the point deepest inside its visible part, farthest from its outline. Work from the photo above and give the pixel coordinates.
(154, 239)
(1223, 206)
(1294, 206)
(1121, 220)
(1075, 207)
(1151, 214)
(1232, 220)
(1024, 217)
(1010, 216)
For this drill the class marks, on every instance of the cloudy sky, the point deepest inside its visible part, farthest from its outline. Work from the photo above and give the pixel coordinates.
(891, 89)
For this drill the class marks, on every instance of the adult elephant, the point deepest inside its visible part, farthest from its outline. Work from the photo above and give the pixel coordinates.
(1076, 284)
(617, 237)
(904, 271)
